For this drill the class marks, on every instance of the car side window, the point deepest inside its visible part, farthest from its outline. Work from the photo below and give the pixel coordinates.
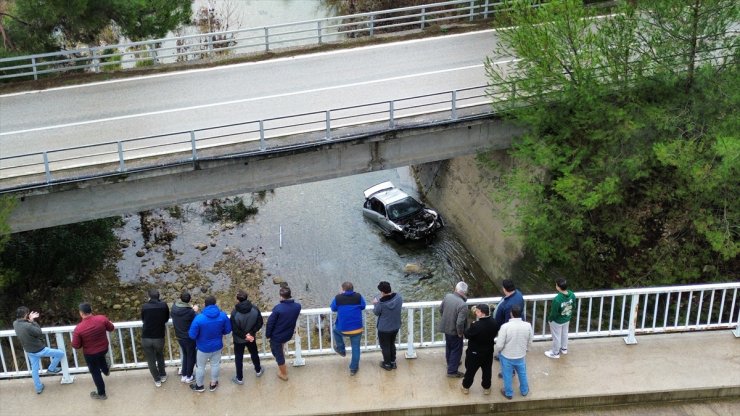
(377, 206)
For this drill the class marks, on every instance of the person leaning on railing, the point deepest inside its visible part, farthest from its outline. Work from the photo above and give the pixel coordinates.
(32, 340)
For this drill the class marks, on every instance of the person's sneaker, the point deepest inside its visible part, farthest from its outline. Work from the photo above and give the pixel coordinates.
(158, 383)
(182, 379)
(236, 380)
(486, 392)
(564, 351)
(57, 371)
(352, 372)
(163, 378)
(197, 388)
(189, 380)
(549, 354)
(464, 390)
(96, 396)
(503, 393)
(393, 365)
(41, 390)
(456, 375)
(384, 366)
(262, 371)
(213, 386)
(341, 353)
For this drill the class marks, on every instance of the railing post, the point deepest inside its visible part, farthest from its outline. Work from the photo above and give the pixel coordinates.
(95, 61)
(630, 338)
(423, 17)
(33, 66)
(453, 105)
(66, 377)
(153, 51)
(391, 116)
(372, 25)
(299, 361)
(318, 28)
(737, 327)
(410, 352)
(328, 125)
(267, 39)
(262, 135)
(485, 10)
(472, 10)
(47, 169)
(192, 145)
(121, 163)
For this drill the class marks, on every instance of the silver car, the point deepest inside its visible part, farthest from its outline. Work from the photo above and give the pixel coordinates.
(399, 215)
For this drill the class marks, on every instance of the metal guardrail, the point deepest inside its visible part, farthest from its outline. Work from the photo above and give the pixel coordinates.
(33, 170)
(244, 41)
(622, 312)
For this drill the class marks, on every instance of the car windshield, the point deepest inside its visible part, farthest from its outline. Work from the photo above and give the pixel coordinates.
(403, 208)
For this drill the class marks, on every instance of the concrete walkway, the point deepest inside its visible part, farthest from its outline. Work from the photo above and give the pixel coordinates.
(597, 372)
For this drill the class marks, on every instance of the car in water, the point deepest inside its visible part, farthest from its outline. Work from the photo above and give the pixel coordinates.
(399, 215)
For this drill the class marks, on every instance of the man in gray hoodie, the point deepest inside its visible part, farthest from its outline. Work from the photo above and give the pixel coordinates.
(388, 310)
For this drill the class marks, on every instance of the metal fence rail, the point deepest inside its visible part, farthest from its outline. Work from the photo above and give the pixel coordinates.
(623, 312)
(244, 41)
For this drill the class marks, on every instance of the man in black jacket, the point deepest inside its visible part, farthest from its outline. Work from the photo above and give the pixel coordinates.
(154, 316)
(480, 337)
(246, 320)
(182, 316)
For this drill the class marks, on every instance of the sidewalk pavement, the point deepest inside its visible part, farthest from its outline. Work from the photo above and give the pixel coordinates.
(596, 372)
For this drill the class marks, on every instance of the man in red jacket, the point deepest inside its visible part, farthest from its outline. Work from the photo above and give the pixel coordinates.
(90, 335)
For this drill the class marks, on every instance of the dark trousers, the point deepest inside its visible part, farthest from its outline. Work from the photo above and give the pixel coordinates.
(97, 365)
(387, 341)
(188, 356)
(154, 353)
(475, 360)
(239, 358)
(453, 352)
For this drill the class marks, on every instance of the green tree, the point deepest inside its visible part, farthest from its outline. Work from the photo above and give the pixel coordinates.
(625, 177)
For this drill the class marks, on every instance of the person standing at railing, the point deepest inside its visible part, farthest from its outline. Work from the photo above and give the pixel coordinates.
(246, 320)
(208, 330)
(154, 317)
(561, 311)
(90, 335)
(512, 344)
(280, 328)
(32, 341)
(388, 309)
(512, 297)
(453, 323)
(182, 317)
(348, 305)
(480, 335)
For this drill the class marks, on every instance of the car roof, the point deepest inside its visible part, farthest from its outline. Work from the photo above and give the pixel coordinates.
(386, 193)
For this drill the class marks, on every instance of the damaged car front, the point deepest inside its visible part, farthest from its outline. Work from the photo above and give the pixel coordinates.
(399, 215)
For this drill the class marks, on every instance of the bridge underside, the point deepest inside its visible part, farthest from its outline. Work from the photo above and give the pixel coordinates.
(136, 191)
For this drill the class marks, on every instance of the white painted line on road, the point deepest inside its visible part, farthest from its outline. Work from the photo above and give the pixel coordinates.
(263, 62)
(196, 107)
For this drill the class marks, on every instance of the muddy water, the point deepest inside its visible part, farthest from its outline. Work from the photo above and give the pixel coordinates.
(313, 236)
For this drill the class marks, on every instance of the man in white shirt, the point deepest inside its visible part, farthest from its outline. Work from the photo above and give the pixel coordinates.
(512, 343)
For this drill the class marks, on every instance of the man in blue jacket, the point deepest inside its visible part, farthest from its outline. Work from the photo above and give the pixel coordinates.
(280, 328)
(208, 330)
(512, 296)
(348, 305)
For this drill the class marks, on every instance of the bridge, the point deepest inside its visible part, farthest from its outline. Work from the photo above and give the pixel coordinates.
(645, 347)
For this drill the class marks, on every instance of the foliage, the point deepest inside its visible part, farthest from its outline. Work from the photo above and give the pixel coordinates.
(40, 25)
(231, 209)
(629, 172)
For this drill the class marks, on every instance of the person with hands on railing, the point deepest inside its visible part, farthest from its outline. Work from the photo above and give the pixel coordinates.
(32, 340)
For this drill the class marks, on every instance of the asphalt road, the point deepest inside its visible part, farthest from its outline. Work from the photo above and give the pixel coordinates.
(135, 107)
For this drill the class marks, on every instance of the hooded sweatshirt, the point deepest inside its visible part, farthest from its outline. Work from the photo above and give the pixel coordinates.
(208, 329)
(562, 307)
(388, 311)
(245, 319)
(182, 316)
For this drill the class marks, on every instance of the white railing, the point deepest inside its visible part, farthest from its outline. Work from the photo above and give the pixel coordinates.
(245, 41)
(607, 313)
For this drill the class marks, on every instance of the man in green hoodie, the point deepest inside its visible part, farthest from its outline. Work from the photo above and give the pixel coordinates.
(561, 311)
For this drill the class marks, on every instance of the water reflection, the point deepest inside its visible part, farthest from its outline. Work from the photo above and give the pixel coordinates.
(313, 236)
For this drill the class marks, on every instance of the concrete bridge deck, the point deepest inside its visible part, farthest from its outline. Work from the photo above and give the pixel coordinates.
(665, 368)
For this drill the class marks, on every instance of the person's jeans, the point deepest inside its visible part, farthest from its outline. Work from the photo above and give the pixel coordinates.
(97, 365)
(187, 356)
(154, 353)
(277, 349)
(507, 370)
(387, 341)
(200, 372)
(559, 336)
(239, 358)
(35, 359)
(453, 352)
(354, 340)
